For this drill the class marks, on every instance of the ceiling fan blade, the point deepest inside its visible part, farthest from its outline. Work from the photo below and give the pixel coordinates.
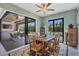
(38, 11)
(43, 4)
(38, 6)
(49, 4)
(50, 9)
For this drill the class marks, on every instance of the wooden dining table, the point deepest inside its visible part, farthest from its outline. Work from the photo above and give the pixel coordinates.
(47, 38)
(50, 37)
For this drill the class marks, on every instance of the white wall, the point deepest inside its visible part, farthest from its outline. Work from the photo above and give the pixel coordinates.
(70, 17)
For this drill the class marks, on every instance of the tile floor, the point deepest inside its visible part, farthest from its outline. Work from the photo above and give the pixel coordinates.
(63, 47)
(71, 51)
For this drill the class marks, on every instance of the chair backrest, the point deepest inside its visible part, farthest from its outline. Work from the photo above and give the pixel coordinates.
(57, 38)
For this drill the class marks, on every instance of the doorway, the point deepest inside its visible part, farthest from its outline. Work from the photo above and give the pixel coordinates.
(14, 30)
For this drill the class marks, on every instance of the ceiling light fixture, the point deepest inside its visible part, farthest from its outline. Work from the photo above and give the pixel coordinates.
(44, 7)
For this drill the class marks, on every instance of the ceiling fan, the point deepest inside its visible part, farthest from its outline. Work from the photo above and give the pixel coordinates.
(44, 7)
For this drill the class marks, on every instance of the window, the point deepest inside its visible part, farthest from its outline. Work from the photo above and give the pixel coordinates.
(56, 26)
(31, 25)
(50, 26)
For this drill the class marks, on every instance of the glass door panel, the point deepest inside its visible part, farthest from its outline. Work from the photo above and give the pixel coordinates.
(50, 27)
(56, 27)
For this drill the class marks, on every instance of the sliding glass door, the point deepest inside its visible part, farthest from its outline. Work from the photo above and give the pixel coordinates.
(31, 25)
(50, 26)
(56, 26)
(14, 30)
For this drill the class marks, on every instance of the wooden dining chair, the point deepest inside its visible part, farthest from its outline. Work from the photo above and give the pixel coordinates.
(53, 47)
(56, 46)
(37, 46)
(41, 47)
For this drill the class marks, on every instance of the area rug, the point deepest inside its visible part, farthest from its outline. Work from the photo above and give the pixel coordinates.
(9, 44)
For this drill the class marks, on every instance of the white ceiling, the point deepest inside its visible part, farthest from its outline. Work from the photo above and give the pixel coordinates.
(59, 7)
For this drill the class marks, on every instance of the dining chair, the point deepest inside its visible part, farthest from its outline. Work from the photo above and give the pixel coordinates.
(53, 47)
(37, 46)
(56, 44)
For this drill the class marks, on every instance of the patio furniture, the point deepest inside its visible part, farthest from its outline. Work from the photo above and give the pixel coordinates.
(14, 36)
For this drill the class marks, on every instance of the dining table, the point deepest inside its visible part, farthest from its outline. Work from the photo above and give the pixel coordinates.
(50, 37)
(47, 38)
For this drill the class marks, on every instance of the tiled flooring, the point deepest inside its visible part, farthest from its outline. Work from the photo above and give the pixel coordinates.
(71, 51)
(63, 47)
